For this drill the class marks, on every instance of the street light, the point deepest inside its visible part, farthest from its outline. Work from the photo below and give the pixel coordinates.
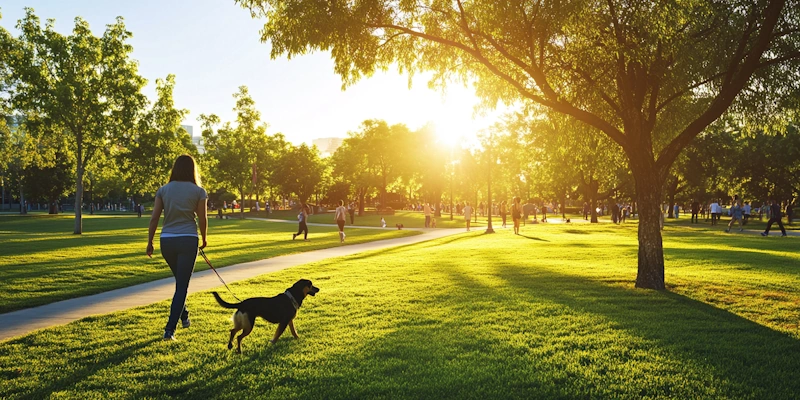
(489, 228)
(453, 164)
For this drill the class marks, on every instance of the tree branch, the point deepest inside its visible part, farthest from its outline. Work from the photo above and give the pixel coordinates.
(728, 92)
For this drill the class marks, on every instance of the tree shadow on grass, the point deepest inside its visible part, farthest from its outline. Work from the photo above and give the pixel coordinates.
(534, 238)
(534, 333)
(737, 350)
(678, 347)
(79, 370)
(739, 258)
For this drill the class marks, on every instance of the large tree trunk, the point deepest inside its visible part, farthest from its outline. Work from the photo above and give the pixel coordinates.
(593, 209)
(52, 207)
(241, 206)
(361, 194)
(651, 251)
(79, 171)
(23, 209)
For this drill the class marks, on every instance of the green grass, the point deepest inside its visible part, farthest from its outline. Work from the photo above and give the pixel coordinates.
(409, 219)
(753, 224)
(43, 262)
(550, 314)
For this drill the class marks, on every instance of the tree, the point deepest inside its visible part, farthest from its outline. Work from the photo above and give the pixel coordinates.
(50, 182)
(301, 171)
(85, 86)
(230, 152)
(649, 75)
(384, 147)
(350, 165)
(147, 154)
(769, 165)
(268, 151)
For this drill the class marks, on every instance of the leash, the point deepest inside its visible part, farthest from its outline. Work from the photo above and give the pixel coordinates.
(203, 253)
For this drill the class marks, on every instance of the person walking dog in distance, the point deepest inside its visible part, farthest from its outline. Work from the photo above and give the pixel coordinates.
(341, 218)
(182, 199)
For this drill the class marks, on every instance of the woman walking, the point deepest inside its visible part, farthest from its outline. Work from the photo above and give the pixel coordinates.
(467, 214)
(516, 214)
(341, 219)
(302, 217)
(736, 214)
(181, 200)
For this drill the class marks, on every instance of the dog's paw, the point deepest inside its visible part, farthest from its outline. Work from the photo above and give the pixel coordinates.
(230, 346)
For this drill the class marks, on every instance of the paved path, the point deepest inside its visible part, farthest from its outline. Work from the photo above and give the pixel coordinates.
(22, 322)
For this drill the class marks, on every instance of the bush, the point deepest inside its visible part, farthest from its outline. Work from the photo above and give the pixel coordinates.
(386, 211)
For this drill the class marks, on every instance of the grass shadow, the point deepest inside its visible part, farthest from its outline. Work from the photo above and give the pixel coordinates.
(534, 238)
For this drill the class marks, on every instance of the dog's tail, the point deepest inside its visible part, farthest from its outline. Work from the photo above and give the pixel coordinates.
(223, 302)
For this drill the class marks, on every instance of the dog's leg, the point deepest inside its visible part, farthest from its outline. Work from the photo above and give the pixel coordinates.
(245, 332)
(240, 321)
(279, 332)
(230, 340)
(249, 324)
(291, 329)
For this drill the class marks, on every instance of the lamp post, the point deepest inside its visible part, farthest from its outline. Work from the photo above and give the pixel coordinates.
(451, 195)
(489, 228)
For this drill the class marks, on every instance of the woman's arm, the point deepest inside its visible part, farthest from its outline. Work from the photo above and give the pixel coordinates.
(202, 219)
(151, 232)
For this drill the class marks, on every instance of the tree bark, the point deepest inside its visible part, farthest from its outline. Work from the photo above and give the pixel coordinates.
(361, 194)
(651, 252)
(79, 171)
(241, 206)
(23, 209)
(593, 210)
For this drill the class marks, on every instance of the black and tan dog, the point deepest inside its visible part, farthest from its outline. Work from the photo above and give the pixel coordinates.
(280, 310)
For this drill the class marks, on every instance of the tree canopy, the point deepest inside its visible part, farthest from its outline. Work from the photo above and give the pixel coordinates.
(649, 75)
(79, 85)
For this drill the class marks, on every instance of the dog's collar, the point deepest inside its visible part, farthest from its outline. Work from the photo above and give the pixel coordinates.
(294, 302)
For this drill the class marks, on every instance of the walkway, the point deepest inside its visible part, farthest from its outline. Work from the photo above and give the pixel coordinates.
(22, 322)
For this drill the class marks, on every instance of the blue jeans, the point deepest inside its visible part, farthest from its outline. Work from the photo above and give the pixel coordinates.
(180, 253)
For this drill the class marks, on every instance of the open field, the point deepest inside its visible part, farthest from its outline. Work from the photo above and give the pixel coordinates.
(550, 314)
(43, 262)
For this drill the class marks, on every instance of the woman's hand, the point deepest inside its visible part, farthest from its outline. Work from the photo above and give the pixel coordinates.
(203, 246)
(150, 249)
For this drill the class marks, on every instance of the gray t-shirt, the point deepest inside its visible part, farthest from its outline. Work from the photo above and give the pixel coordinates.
(180, 202)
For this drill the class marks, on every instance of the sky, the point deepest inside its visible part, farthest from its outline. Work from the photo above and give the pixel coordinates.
(213, 47)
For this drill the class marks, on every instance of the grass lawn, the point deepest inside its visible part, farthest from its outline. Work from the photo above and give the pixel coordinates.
(753, 224)
(550, 314)
(409, 219)
(42, 261)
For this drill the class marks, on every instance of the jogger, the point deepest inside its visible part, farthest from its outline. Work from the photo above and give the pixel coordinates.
(775, 211)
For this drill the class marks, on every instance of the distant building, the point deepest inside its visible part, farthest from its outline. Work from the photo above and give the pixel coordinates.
(196, 140)
(327, 146)
(189, 129)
